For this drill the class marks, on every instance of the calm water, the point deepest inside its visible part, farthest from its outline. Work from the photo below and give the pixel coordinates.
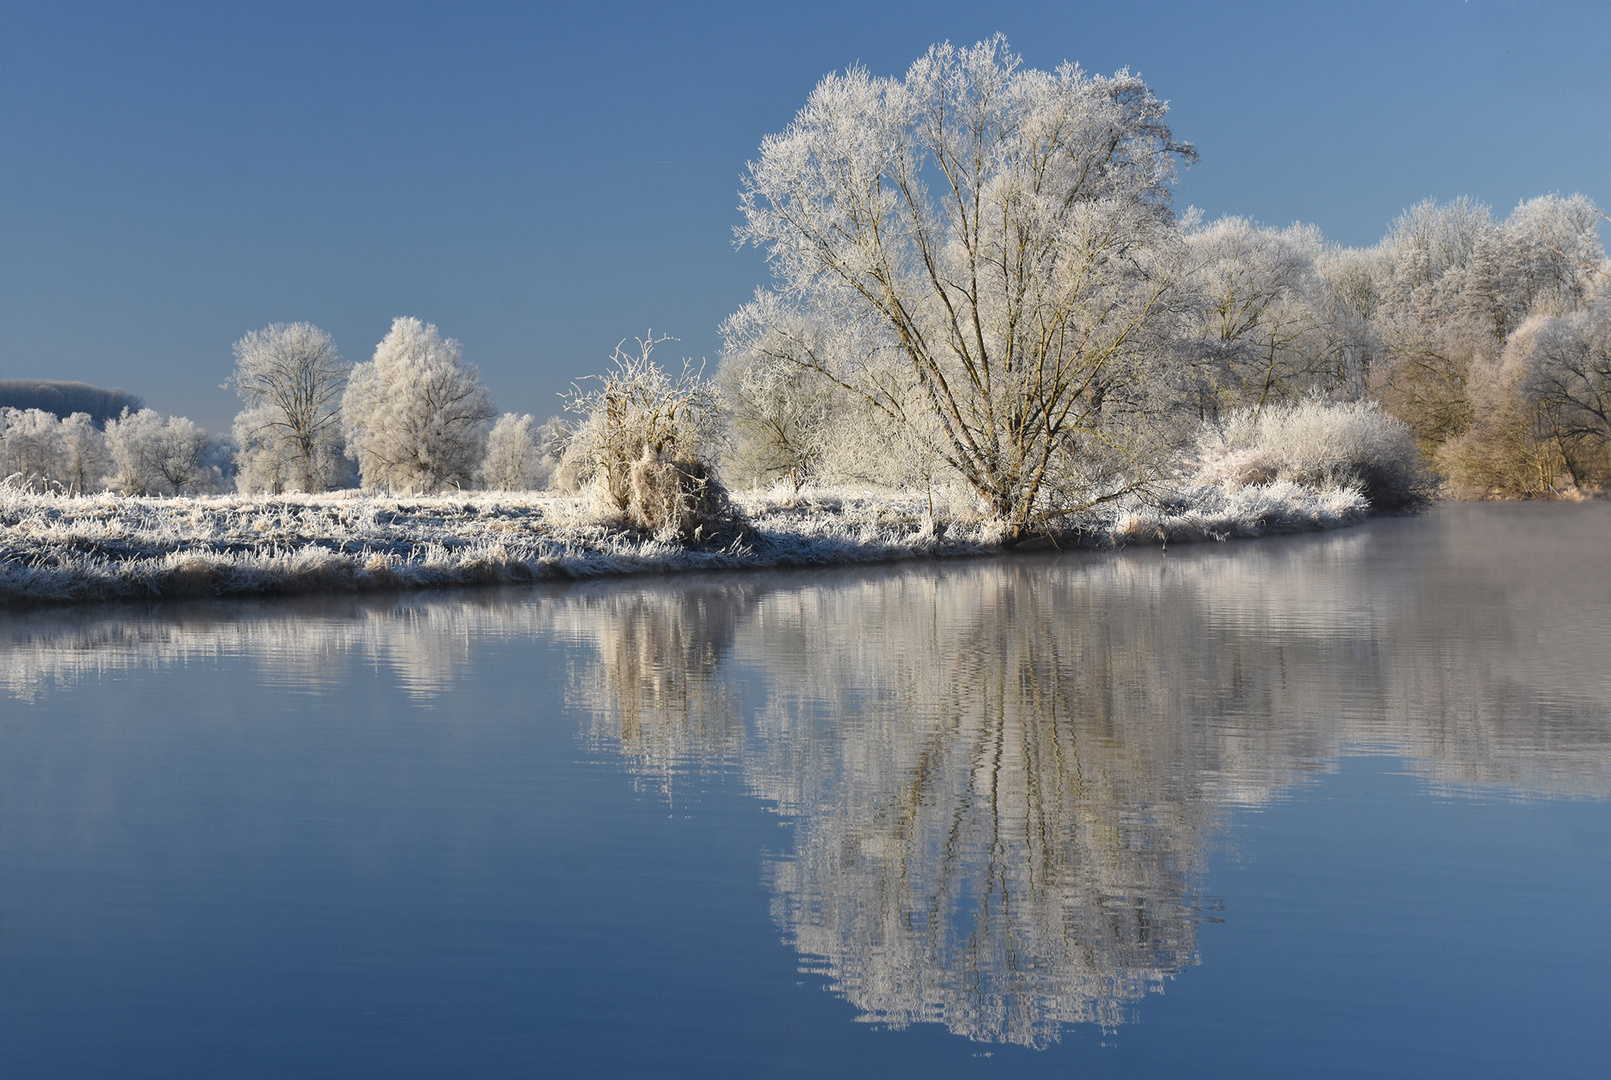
(1318, 806)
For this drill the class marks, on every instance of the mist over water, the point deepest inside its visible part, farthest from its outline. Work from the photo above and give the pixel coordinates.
(973, 803)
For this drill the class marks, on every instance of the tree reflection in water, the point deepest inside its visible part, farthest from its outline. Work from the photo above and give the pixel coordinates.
(1004, 775)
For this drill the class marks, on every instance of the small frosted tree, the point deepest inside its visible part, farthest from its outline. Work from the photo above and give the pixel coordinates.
(291, 379)
(514, 462)
(553, 436)
(779, 406)
(85, 456)
(31, 448)
(416, 416)
(154, 454)
(786, 381)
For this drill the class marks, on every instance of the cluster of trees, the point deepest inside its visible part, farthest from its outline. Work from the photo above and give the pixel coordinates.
(979, 280)
(415, 418)
(141, 453)
(978, 275)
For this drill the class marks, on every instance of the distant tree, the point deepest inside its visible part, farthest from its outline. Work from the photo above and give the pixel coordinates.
(1541, 260)
(1009, 234)
(514, 461)
(779, 407)
(86, 459)
(1567, 365)
(291, 379)
(62, 399)
(1456, 291)
(416, 416)
(30, 447)
(160, 455)
(41, 451)
(1262, 312)
(553, 436)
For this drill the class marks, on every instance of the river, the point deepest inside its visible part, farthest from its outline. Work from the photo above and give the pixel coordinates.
(1325, 805)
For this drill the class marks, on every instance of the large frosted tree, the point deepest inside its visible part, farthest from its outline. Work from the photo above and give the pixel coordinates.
(1008, 233)
(291, 379)
(416, 416)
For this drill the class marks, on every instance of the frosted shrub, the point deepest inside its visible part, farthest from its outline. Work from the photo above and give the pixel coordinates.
(644, 447)
(1318, 444)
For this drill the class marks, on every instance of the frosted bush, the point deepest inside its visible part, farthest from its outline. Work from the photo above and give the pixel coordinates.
(643, 449)
(1318, 444)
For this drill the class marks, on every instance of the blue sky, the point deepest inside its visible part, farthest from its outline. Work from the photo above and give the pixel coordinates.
(542, 180)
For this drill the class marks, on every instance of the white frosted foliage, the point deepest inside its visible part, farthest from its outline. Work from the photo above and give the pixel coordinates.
(416, 416)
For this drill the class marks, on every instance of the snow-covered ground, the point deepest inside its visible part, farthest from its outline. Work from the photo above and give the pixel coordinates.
(56, 548)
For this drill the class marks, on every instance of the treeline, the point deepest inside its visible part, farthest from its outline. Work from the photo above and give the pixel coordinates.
(414, 418)
(1490, 339)
(981, 287)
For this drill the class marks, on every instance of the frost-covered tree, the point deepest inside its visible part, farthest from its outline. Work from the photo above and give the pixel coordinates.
(86, 458)
(782, 413)
(1565, 363)
(553, 436)
(1008, 233)
(38, 450)
(30, 447)
(790, 413)
(291, 379)
(416, 416)
(154, 454)
(1262, 316)
(1455, 286)
(514, 461)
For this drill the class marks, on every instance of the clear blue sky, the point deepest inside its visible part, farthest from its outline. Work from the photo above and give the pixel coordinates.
(541, 180)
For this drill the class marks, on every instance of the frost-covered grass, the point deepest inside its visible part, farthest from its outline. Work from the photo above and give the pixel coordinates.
(56, 548)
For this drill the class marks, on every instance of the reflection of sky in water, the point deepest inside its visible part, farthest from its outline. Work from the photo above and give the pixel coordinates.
(1005, 776)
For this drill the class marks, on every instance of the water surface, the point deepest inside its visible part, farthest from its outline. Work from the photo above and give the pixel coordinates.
(1325, 805)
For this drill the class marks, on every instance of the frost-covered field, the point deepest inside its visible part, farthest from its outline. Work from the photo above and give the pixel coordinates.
(56, 548)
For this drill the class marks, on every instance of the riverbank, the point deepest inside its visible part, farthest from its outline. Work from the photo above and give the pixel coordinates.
(67, 549)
